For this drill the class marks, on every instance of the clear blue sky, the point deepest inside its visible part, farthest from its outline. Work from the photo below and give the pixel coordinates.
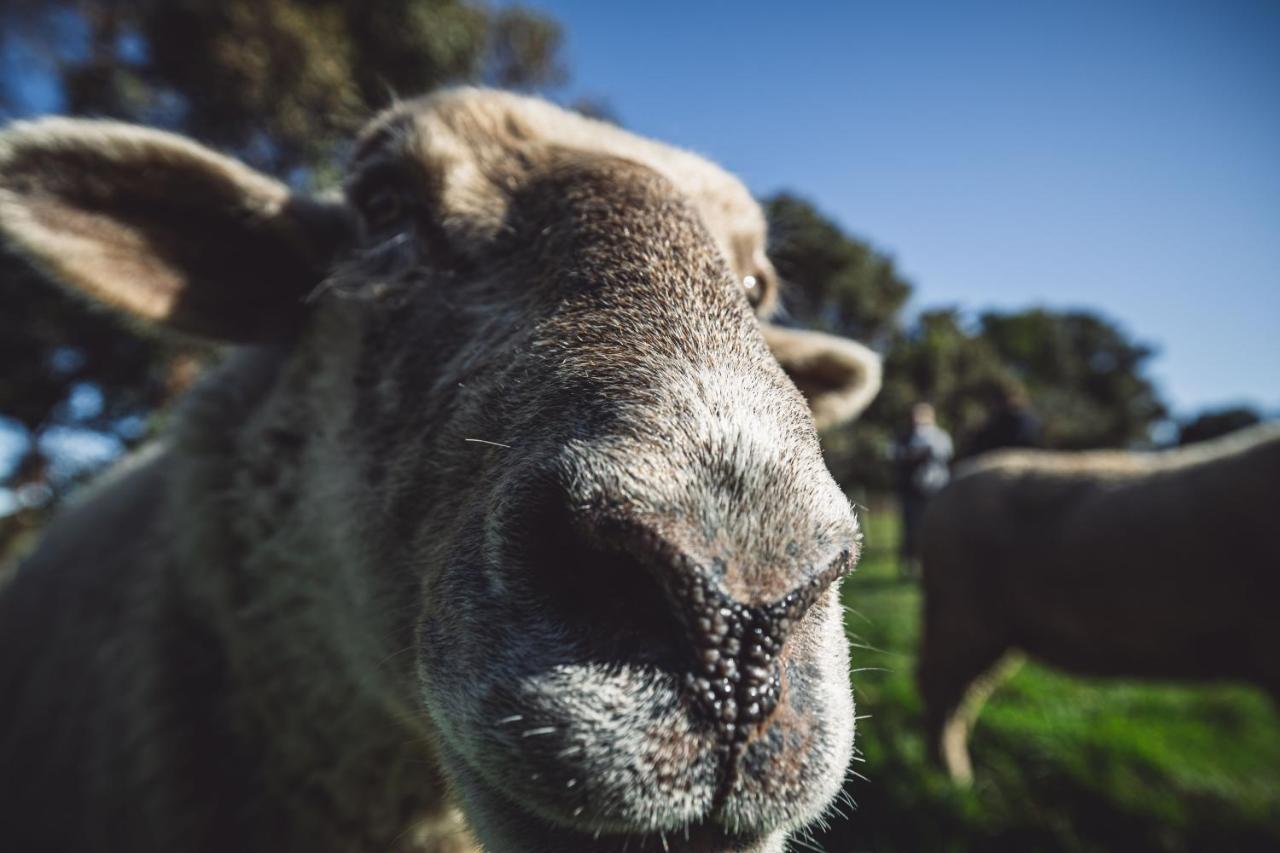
(1120, 156)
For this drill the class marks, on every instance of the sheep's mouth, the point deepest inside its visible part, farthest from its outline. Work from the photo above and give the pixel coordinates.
(697, 838)
(540, 797)
(533, 833)
(543, 796)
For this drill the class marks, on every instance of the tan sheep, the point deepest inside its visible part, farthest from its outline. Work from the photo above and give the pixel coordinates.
(1148, 565)
(509, 525)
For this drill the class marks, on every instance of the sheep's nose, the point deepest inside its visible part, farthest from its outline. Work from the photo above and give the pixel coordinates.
(713, 608)
(732, 674)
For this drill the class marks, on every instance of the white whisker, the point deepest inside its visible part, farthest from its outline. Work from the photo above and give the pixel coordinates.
(490, 443)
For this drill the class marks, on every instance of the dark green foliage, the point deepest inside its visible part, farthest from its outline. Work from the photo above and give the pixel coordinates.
(43, 365)
(72, 370)
(280, 82)
(524, 50)
(1082, 373)
(831, 281)
(1217, 422)
(940, 361)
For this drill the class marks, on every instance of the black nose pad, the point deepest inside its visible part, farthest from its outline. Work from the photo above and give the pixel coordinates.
(736, 681)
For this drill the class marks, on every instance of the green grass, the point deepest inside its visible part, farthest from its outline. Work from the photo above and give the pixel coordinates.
(1060, 763)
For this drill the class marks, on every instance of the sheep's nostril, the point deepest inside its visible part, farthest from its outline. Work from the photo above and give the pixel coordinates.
(596, 589)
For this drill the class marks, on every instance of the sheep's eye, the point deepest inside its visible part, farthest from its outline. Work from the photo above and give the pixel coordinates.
(383, 209)
(754, 287)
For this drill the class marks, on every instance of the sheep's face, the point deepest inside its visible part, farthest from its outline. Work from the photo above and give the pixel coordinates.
(629, 623)
(592, 491)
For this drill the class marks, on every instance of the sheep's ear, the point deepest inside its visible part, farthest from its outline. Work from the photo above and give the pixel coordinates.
(162, 228)
(837, 376)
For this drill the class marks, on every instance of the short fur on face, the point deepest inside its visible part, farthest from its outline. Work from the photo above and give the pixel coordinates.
(523, 480)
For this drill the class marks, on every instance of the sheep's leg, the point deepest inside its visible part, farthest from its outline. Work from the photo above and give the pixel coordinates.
(957, 673)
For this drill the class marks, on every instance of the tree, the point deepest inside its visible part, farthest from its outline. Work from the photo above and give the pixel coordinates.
(832, 281)
(1213, 423)
(1083, 374)
(281, 83)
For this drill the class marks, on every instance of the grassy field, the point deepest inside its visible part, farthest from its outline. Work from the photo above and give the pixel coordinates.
(1060, 763)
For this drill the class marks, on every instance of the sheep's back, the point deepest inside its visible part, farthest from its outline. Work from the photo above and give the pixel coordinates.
(1113, 562)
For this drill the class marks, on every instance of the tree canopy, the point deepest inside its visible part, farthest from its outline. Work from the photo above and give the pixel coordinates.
(282, 83)
(1217, 422)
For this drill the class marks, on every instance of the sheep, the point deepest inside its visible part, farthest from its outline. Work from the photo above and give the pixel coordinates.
(1106, 563)
(504, 524)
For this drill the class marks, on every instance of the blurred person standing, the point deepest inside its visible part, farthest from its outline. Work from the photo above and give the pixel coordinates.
(920, 458)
